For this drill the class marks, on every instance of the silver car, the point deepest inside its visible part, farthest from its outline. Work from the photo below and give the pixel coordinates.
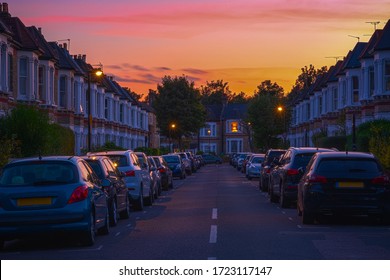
(136, 176)
(253, 166)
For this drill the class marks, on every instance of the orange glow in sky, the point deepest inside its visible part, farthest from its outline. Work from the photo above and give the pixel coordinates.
(242, 42)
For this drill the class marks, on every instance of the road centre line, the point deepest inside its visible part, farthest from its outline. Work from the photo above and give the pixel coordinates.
(213, 234)
(214, 214)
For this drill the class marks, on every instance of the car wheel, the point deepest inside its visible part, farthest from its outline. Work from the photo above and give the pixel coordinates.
(88, 237)
(106, 228)
(272, 197)
(170, 186)
(307, 217)
(282, 200)
(150, 198)
(113, 213)
(139, 203)
(125, 214)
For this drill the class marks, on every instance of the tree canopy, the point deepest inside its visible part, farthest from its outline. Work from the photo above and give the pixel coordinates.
(266, 121)
(178, 102)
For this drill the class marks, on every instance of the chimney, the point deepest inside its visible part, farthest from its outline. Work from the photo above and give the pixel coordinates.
(65, 46)
(1, 7)
(40, 30)
(84, 57)
(5, 8)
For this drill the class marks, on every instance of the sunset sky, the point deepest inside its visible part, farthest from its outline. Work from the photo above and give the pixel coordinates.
(242, 42)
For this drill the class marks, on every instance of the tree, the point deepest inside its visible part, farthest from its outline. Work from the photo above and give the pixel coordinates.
(178, 102)
(218, 92)
(265, 120)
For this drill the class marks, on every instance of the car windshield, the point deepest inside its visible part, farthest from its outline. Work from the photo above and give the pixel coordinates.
(301, 160)
(38, 173)
(171, 159)
(272, 155)
(97, 168)
(348, 168)
(119, 160)
(257, 160)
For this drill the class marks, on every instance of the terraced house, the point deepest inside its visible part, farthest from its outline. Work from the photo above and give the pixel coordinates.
(353, 91)
(34, 71)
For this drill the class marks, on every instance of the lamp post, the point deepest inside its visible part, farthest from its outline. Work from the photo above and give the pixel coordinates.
(171, 127)
(282, 111)
(209, 134)
(97, 72)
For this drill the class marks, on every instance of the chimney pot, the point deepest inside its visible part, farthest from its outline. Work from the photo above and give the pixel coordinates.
(84, 57)
(65, 46)
(40, 30)
(5, 7)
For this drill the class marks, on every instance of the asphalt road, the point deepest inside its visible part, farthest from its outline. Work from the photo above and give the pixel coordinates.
(217, 214)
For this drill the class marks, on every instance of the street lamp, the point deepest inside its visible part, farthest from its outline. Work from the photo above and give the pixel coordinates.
(209, 134)
(171, 127)
(282, 111)
(97, 73)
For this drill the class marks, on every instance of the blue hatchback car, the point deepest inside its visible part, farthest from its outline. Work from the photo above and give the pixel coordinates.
(49, 195)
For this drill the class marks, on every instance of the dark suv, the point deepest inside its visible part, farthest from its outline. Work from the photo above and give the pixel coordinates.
(285, 176)
(270, 156)
(118, 202)
(344, 183)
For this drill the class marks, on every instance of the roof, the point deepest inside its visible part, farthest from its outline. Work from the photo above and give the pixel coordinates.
(369, 49)
(47, 51)
(352, 60)
(384, 40)
(66, 61)
(346, 154)
(235, 111)
(20, 34)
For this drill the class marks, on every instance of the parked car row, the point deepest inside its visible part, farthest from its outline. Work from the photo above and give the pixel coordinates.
(324, 182)
(83, 195)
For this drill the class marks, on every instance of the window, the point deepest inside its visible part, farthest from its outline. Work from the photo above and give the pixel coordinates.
(62, 92)
(36, 74)
(51, 86)
(10, 72)
(335, 98)
(371, 80)
(106, 108)
(121, 113)
(3, 68)
(23, 76)
(234, 126)
(387, 76)
(41, 83)
(355, 89)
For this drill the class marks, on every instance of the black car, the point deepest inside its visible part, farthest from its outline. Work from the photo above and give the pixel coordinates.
(118, 201)
(285, 176)
(344, 183)
(268, 163)
(165, 172)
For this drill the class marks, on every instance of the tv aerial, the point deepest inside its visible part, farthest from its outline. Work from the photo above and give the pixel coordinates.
(375, 23)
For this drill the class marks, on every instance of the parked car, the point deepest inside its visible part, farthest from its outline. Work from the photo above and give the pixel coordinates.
(253, 166)
(209, 158)
(143, 159)
(155, 177)
(165, 172)
(136, 176)
(51, 195)
(270, 158)
(187, 163)
(285, 176)
(118, 202)
(344, 183)
(240, 160)
(244, 163)
(176, 164)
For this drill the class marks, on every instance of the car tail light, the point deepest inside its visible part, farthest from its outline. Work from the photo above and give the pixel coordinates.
(161, 170)
(381, 180)
(292, 171)
(268, 170)
(79, 194)
(317, 179)
(130, 173)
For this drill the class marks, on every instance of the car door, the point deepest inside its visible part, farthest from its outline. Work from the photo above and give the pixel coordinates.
(118, 183)
(99, 197)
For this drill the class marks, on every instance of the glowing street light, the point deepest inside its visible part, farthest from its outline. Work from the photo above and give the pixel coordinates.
(96, 72)
(171, 127)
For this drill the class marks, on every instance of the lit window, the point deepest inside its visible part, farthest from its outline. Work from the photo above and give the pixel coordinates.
(234, 126)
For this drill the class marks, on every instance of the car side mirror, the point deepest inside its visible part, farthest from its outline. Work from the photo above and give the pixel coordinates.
(105, 183)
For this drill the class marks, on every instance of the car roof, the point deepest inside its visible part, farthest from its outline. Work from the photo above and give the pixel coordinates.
(43, 158)
(111, 152)
(345, 154)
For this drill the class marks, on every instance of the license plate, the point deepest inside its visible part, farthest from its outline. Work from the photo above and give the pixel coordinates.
(350, 184)
(34, 201)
